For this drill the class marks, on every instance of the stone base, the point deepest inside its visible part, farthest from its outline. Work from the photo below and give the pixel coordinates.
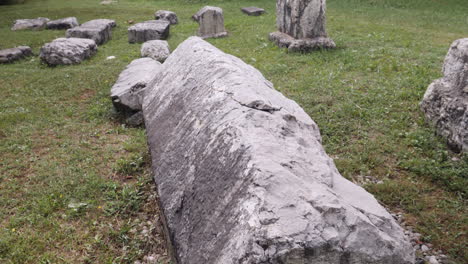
(301, 45)
(217, 35)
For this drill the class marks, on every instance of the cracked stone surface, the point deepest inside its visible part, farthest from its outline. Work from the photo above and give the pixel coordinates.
(445, 103)
(34, 24)
(211, 22)
(14, 54)
(166, 15)
(99, 30)
(67, 51)
(63, 23)
(156, 49)
(148, 30)
(127, 93)
(301, 25)
(253, 11)
(242, 175)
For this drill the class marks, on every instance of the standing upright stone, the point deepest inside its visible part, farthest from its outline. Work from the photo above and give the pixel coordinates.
(445, 103)
(211, 21)
(301, 25)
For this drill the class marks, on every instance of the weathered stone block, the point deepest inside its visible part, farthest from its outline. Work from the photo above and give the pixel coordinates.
(445, 103)
(67, 51)
(127, 93)
(99, 30)
(301, 25)
(148, 30)
(35, 24)
(242, 175)
(156, 49)
(63, 23)
(211, 22)
(166, 15)
(13, 54)
(253, 11)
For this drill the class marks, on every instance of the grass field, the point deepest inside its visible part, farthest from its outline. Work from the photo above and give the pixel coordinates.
(75, 184)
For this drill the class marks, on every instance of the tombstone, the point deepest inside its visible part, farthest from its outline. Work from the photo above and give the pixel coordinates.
(445, 103)
(155, 49)
(66, 51)
(14, 54)
(99, 30)
(301, 25)
(34, 24)
(253, 11)
(148, 30)
(166, 15)
(211, 22)
(63, 23)
(243, 177)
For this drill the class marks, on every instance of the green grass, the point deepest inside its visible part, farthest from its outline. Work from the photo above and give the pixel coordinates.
(60, 142)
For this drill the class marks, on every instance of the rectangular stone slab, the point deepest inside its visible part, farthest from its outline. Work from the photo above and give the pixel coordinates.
(242, 175)
(148, 30)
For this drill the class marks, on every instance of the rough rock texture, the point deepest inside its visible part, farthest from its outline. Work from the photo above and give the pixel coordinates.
(148, 30)
(253, 11)
(13, 54)
(301, 25)
(445, 103)
(211, 22)
(36, 23)
(166, 15)
(127, 93)
(67, 51)
(63, 23)
(99, 30)
(242, 175)
(156, 49)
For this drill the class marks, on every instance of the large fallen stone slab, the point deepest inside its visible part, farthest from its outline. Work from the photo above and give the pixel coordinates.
(156, 49)
(148, 30)
(66, 51)
(127, 93)
(99, 30)
(14, 54)
(211, 22)
(242, 175)
(445, 103)
(63, 23)
(169, 16)
(34, 24)
(301, 25)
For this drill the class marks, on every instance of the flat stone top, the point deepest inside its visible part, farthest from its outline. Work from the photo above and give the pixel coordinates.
(158, 25)
(99, 23)
(30, 23)
(253, 11)
(138, 71)
(206, 9)
(72, 42)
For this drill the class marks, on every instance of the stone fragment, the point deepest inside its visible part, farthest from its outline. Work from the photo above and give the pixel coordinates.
(445, 103)
(107, 2)
(243, 178)
(211, 22)
(99, 30)
(135, 120)
(63, 23)
(156, 49)
(127, 93)
(67, 51)
(166, 15)
(13, 54)
(35, 23)
(301, 25)
(148, 30)
(253, 11)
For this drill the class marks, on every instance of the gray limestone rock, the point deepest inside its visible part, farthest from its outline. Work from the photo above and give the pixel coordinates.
(445, 103)
(148, 30)
(66, 51)
(301, 25)
(13, 54)
(99, 30)
(166, 15)
(253, 11)
(63, 23)
(35, 23)
(156, 49)
(243, 178)
(127, 93)
(211, 22)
